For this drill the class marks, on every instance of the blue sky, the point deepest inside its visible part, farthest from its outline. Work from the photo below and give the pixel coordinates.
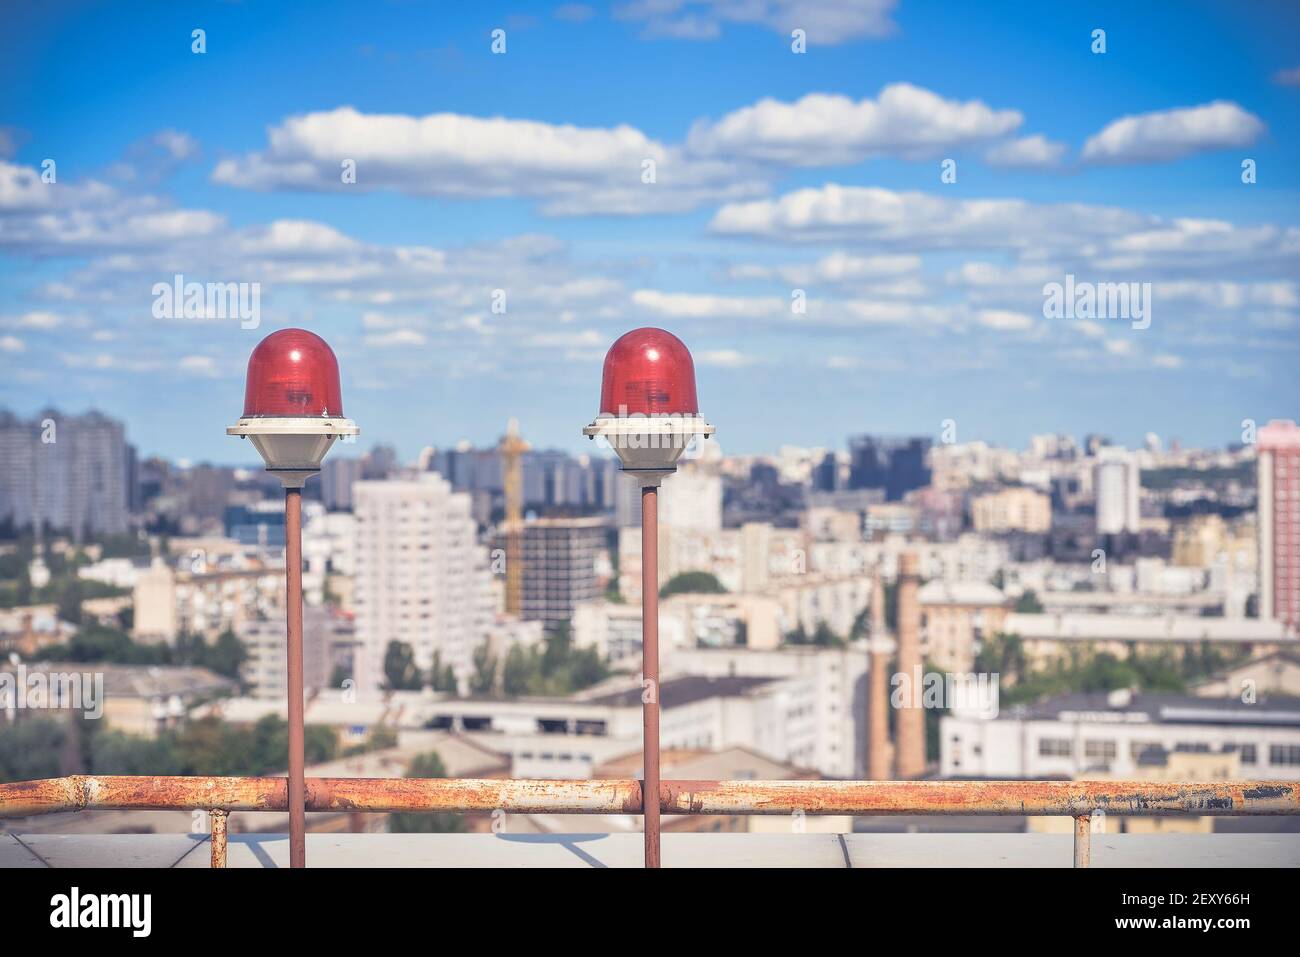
(774, 172)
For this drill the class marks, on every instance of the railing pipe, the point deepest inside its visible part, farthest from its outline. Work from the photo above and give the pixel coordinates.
(1027, 798)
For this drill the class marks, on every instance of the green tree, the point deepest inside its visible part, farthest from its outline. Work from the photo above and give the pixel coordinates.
(438, 822)
(484, 680)
(340, 674)
(225, 656)
(518, 673)
(1028, 604)
(825, 637)
(30, 749)
(694, 583)
(69, 600)
(400, 672)
(442, 677)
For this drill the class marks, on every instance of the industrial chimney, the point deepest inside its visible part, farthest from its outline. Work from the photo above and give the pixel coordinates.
(880, 649)
(910, 720)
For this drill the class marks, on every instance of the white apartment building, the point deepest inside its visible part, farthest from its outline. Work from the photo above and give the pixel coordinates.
(1117, 484)
(1075, 735)
(328, 548)
(816, 713)
(972, 558)
(421, 576)
(690, 498)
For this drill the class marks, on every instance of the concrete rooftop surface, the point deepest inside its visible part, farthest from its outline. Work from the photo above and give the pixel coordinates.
(679, 850)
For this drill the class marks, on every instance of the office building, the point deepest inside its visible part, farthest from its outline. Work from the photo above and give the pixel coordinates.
(1117, 485)
(422, 578)
(896, 465)
(1279, 522)
(66, 472)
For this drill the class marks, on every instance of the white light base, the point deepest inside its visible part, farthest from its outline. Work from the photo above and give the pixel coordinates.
(293, 447)
(649, 446)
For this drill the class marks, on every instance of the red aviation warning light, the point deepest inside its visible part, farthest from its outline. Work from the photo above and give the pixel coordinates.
(293, 373)
(649, 413)
(648, 371)
(293, 406)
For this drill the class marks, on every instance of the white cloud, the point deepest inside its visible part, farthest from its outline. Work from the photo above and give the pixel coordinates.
(198, 365)
(37, 319)
(1173, 134)
(1084, 237)
(1029, 152)
(1165, 361)
(834, 213)
(11, 344)
(46, 219)
(723, 358)
(824, 129)
(826, 22)
(1004, 319)
(398, 337)
(688, 305)
(574, 12)
(571, 170)
(837, 267)
(1289, 77)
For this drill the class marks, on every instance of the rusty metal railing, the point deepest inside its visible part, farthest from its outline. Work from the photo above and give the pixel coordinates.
(1077, 799)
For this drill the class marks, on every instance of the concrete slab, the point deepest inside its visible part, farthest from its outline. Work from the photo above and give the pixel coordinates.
(13, 854)
(1057, 850)
(530, 850)
(679, 850)
(1196, 850)
(113, 850)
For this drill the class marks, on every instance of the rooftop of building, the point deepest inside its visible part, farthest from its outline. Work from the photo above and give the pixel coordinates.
(1160, 708)
(939, 592)
(683, 690)
(135, 681)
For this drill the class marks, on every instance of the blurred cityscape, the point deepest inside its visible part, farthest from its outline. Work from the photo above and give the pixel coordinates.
(1082, 610)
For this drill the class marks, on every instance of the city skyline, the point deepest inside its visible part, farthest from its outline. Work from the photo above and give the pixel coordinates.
(408, 450)
(486, 178)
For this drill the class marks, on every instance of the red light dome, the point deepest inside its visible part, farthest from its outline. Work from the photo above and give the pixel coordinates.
(293, 373)
(648, 371)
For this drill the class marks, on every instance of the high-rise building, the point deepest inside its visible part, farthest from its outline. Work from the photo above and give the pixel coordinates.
(559, 556)
(422, 578)
(1118, 491)
(689, 498)
(826, 474)
(1012, 510)
(551, 479)
(896, 465)
(1279, 521)
(337, 476)
(67, 472)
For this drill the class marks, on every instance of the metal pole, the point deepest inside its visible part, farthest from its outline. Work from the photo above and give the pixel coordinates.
(650, 669)
(1083, 840)
(293, 615)
(218, 818)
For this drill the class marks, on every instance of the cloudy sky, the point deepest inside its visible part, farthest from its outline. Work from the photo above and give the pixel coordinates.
(657, 162)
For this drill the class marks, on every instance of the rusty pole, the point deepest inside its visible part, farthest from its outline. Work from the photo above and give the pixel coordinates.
(218, 818)
(650, 669)
(1083, 840)
(297, 736)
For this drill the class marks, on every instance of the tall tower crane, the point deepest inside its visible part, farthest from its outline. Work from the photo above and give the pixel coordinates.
(512, 448)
